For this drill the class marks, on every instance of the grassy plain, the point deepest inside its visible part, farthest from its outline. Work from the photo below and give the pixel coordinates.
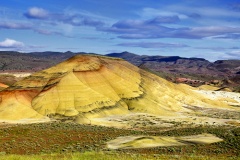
(58, 140)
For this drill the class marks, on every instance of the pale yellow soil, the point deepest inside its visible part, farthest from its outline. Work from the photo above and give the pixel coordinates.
(128, 142)
(208, 87)
(17, 74)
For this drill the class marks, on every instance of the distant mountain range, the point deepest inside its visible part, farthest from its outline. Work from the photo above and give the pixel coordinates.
(192, 71)
(30, 62)
(184, 66)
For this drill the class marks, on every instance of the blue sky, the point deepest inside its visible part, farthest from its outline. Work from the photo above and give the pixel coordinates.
(189, 28)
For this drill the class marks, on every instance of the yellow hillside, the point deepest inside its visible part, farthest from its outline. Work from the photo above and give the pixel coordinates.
(87, 87)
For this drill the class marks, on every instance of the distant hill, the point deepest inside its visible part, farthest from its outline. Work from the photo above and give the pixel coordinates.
(196, 71)
(30, 62)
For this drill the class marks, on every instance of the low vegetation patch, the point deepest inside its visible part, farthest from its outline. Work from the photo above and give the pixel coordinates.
(72, 139)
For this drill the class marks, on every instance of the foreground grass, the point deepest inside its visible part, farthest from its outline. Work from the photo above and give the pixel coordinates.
(74, 141)
(109, 156)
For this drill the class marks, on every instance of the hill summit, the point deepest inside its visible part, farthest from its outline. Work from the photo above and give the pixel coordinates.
(86, 87)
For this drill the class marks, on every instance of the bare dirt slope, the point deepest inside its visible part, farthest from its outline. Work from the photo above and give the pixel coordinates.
(106, 91)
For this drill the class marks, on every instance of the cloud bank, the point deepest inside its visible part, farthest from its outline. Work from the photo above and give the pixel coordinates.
(154, 29)
(75, 19)
(10, 43)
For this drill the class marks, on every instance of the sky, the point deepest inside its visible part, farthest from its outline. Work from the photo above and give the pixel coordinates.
(207, 29)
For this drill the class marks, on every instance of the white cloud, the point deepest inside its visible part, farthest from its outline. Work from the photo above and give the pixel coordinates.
(10, 43)
(36, 12)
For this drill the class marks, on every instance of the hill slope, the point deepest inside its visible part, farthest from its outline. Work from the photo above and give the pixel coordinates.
(86, 87)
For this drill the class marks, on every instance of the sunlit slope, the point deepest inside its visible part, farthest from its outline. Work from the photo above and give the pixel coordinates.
(86, 87)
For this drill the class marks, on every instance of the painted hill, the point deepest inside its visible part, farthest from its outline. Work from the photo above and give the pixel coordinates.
(87, 87)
